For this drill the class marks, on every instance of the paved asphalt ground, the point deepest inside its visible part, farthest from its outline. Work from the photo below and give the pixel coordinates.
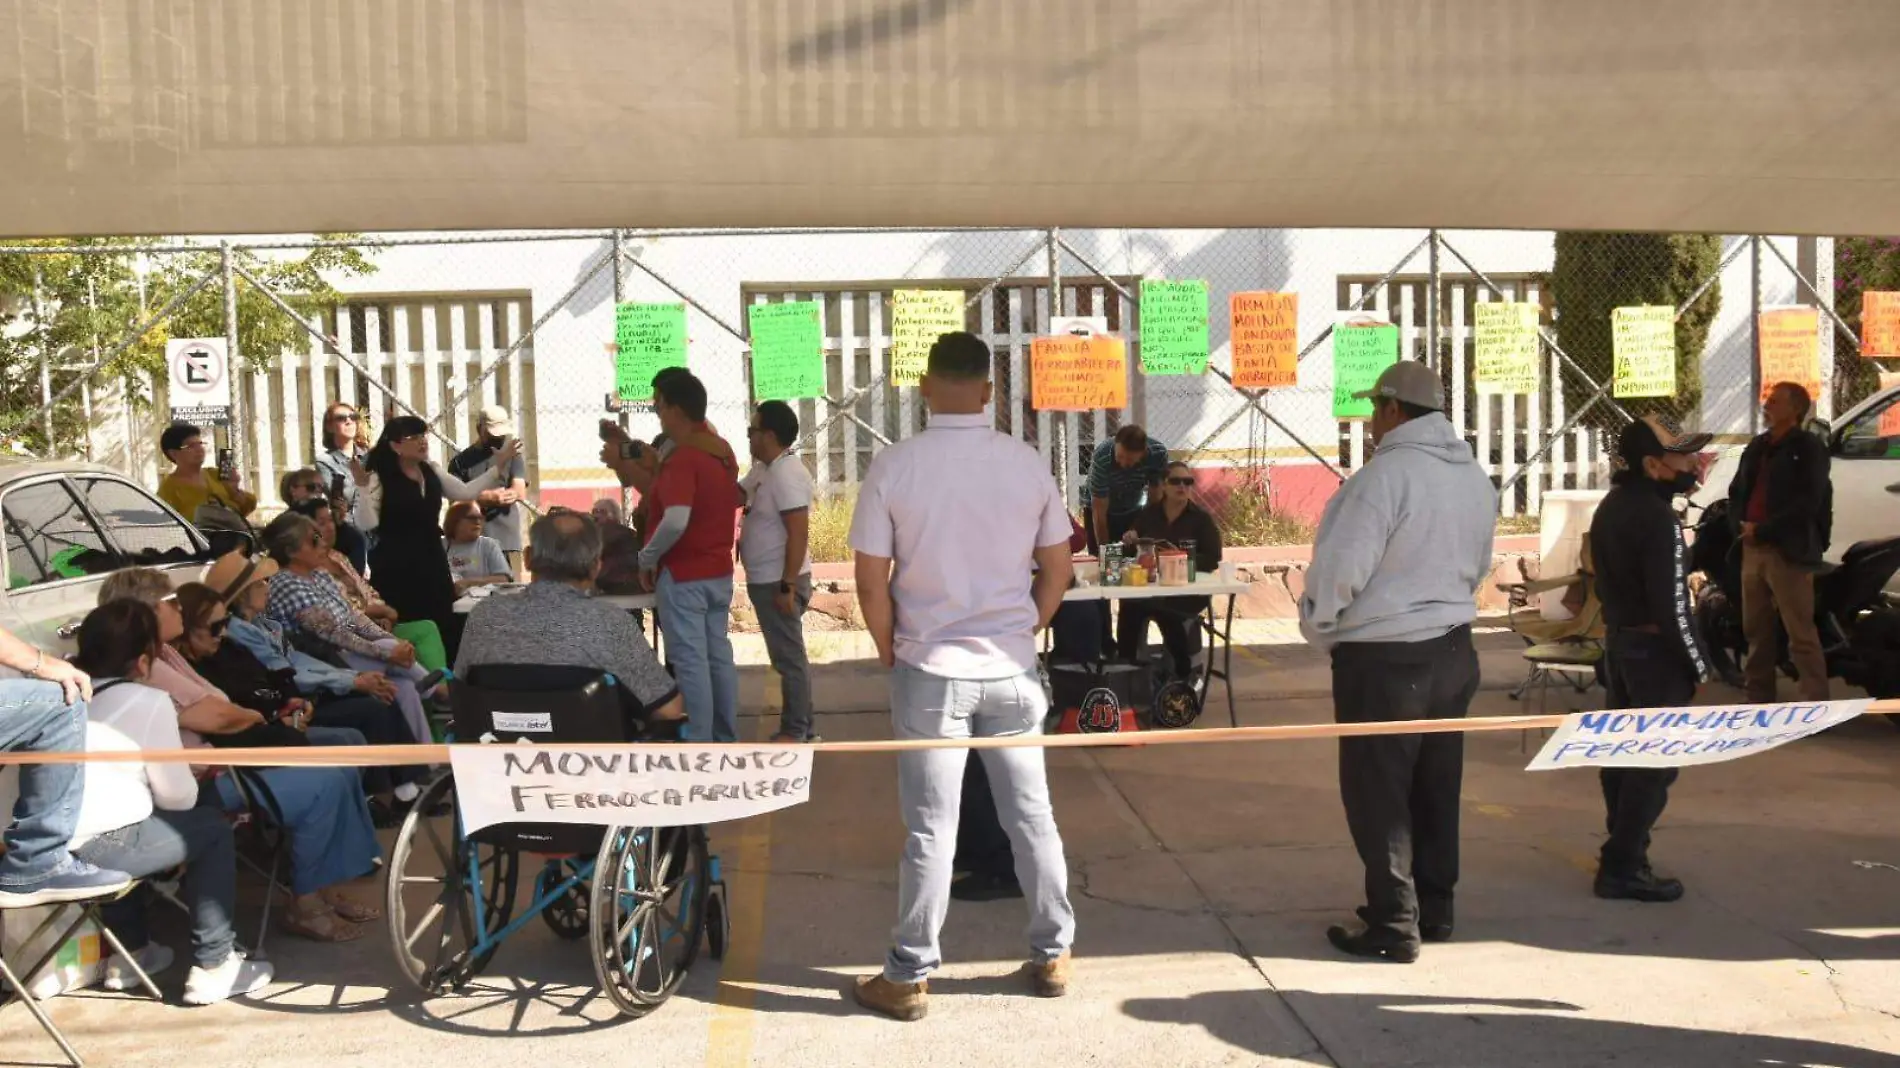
(1203, 878)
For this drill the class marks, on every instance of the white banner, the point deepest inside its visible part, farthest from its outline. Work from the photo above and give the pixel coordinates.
(632, 785)
(1677, 737)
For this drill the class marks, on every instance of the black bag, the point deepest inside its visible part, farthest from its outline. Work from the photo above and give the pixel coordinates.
(247, 683)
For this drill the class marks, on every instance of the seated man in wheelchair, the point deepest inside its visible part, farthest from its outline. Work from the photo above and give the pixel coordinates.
(556, 623)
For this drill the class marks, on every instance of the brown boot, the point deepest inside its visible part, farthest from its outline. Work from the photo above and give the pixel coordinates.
(1048, 979)
(899, 1001)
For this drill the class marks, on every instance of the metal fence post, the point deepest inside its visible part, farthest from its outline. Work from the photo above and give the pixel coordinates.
(1432, 356)
(620, 294)
(1754, 333)
(1061, 420)
(46, 359)
(231, 434)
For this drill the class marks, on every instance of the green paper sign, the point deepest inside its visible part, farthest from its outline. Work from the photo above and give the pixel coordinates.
(1173, 327)
(1360, 355)
(788, 350)
(647, 338)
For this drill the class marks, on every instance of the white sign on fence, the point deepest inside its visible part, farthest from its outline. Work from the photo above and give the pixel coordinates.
(631, 785)
(1676, 737)
(200, 372)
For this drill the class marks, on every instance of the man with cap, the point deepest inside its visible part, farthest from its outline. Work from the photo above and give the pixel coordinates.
(1391, 595)
(1655, 657)
(501, 507)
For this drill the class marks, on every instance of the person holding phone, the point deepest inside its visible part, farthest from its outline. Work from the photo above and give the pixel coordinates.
(343, 439)
(501, 507)
(209, 499)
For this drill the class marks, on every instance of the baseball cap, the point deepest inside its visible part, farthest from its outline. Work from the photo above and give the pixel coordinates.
(1410, 382)
(495, 420)
(1655, 435)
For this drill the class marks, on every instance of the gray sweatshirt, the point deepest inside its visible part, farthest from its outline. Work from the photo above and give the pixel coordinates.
(1404, 544)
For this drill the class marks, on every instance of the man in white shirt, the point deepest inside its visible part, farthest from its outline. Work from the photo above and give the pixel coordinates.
(774, 545)
(975, 528)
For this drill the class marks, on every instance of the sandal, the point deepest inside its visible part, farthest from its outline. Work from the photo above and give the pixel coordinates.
(319, 927)
(351, 911)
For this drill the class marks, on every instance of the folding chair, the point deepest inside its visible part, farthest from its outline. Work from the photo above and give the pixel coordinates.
(265, 833)
(1558, 650)
(19, 983)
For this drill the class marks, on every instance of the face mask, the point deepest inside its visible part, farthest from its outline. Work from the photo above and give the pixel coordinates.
(1684, 483)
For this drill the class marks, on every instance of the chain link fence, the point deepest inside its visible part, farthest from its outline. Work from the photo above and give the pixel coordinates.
(442, 326)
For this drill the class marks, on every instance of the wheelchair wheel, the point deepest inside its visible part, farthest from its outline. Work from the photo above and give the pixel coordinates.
(648, 913)
(430, 895)
(565, 915)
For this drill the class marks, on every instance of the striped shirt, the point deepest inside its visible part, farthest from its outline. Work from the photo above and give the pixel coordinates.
(1125, 488)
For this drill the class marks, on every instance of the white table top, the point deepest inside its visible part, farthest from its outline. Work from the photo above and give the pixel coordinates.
(1204, 586)
(626, 602)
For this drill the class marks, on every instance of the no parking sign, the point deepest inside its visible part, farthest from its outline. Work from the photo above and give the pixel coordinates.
(200, 390)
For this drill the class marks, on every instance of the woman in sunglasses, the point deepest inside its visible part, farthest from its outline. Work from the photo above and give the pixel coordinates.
(343, 440)
(1172, 517)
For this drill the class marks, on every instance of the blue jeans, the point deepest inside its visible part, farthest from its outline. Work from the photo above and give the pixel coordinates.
(34, 717)
(198, 838)
(694, 620)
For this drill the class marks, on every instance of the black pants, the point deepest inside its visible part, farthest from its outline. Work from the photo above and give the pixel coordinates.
(1646, 671)
(1179, 621)
(982, 844)
(380, 724)
(1401, 790)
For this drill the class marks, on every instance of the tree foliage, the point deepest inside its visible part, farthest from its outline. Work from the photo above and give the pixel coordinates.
(1860, 264)
(1595, 273)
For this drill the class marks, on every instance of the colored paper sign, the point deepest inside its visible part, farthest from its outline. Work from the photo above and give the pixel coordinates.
(1505, 333)
(1361, 352)
(1173, 327)
(918, 318)
(1264, 337)
(1880, 324)
(647, 339)
(788, 350)
(635, 785)
(1643, 339)
(1078, 374)
(1890, 415)
(1791, 349)
(1678, 737)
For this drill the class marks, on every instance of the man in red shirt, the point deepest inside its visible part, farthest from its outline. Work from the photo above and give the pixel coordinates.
(687, 560)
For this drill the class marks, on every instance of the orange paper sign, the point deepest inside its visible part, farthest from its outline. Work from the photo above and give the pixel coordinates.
(1078, 374)
(1880, 324)
(1265, 339)
(1890, 415)
(1791, 349)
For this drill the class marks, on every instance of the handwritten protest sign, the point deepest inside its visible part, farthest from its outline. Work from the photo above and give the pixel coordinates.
(647, 338)
(1791, 349)
(1643, 338)
(1678, 737)
(1078, 374)
(1264, 337)
(788, 350)
(1506, 343)
(1361, 351)
(1890, 415)
(1880, 324)
(918, 318)
(640, 785)
(1173, 327)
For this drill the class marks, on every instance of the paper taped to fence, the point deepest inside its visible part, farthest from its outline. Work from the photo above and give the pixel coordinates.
(1880, 324)
(1790, 349)
(1678, 737)
(918, 318)
(1643, 340)
(633, 785)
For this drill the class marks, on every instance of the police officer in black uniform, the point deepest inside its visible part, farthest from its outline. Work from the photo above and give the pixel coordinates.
(1655, 655)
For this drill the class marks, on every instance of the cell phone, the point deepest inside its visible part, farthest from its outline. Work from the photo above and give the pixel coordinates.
(226, 459)
(336, 485)
(630, 450)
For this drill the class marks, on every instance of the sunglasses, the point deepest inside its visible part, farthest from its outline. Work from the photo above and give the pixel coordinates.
(216, 629)
(343, 417)
(1184, 482)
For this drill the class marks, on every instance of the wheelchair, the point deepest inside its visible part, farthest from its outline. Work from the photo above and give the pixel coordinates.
(644, 898)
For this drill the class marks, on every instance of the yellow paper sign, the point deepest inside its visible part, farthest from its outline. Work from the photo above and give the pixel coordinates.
(1880, 324)
(1506, 343)
(1264, 337)
(1791, 349)
(918, 318)
(1078, 374)
(1644, 341)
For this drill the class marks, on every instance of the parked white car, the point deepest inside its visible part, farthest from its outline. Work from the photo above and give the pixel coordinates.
(68, 526)
(1865, 473)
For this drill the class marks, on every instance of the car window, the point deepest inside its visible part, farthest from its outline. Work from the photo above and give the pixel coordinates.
(49, 537)
(1875, 434)
(139, 525)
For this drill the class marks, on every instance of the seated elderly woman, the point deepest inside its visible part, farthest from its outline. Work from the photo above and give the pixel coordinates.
(332, 840)
(421, 633)
(1172, 517)
(308, 601)
(143, 819)
(619, 549)
(474, 560)
(555, 623)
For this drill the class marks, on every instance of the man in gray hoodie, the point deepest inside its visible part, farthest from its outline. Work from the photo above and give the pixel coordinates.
(1391, 594)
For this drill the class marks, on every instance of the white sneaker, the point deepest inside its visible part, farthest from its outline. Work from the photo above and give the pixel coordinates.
(119, 977)
(235, 977)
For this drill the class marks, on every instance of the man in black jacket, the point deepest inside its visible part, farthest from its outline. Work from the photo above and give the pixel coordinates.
(1655, 656)
(1782, 504)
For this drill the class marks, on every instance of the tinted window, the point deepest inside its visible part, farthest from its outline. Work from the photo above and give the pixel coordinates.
(49, 537)
(1876, 434)
(138, 524)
